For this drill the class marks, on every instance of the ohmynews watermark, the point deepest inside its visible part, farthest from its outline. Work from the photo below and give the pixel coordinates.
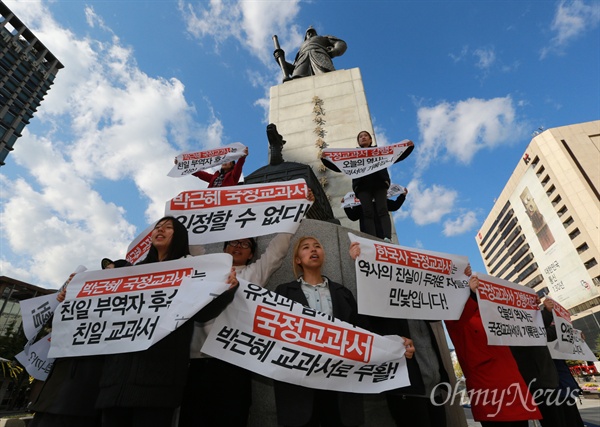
(512, 396)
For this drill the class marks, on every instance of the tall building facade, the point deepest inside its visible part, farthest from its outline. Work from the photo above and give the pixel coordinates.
(543, 231)
(27, 70)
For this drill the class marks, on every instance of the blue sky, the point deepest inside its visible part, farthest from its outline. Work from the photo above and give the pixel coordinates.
(467, 81)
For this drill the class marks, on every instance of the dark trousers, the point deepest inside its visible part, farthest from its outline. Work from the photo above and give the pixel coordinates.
(415, 411)
(325, 410)
(374, 206)
(217, 394)
(137, 417)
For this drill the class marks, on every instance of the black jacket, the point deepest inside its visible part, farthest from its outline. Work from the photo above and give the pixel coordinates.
(295, 403)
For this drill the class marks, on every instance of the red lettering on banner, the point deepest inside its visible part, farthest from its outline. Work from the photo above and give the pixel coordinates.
(160, 279)
(140, 249)
(386, 150)
(508, 296)
(308, 333)
(206, 154)
(229, 196)
(390, 254)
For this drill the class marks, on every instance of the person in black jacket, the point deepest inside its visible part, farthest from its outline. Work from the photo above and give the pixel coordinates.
(144, 388)
(355, 213)
(371, 190)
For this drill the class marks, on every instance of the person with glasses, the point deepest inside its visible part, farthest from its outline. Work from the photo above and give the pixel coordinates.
(219, 393)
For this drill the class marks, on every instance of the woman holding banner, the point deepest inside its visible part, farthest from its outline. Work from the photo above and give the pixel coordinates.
(228, 175)
(371, 190)
(144, 388)
(498, 393)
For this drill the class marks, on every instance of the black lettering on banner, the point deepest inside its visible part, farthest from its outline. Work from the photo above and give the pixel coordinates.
(506, 312)
(378, 373)
(41, 314)
(408, 275)
(417, 299)
(258, 293)
(566, 333)
(433, 279)
(243, 343)
(503, 329)
(245, 217)
(375, 269)
(309, 363)
(203, 222)
(198, 274)
(274, 215)
(159, 299)
(133, 329)
(89, 333)
(354, 163)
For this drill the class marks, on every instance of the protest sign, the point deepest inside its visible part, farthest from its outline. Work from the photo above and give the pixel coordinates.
(399, 282)
(358, 162)
(276, 337)
(578, 351)
(222, 214)
(193, 161)
(129, 309)
(36, 362)
(350, 200)
(564, 328)
(139, 247)
(510, 313)
(35, 312)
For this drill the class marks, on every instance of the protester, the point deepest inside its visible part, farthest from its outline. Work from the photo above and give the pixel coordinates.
(68, 396)
(228, 175)
(565, 398)
(144, 388)
(371, 190)
(498, 393)
(414, 405)
(355, 213)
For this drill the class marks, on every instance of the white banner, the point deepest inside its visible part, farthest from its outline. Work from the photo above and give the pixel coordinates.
(350, 200)
(139, 248)
(193, 161)
(129, 309)
(399, 282)
(510, 313)
(276, 337)
(36, 362)
(222, 214)
(35, 312)
(358, 162)
(564, 328)
(578, 351)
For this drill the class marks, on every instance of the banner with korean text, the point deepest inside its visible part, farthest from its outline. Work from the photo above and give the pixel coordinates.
(579, 350)
(35, 312)
(36, 362)
(193, 161)
(140, 246)
(564, 328)
(276, 337)
(129, 309)
(221, 214)
(399, 282)
(510, 313)
(350, 200)
(358, 162)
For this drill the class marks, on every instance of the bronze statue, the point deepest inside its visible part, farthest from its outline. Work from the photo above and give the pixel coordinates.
(314, 55)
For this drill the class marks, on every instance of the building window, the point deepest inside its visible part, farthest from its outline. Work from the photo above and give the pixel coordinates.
(562, 211)
(540, 171)
(536, 160)
(574, 233)
(550, 190)
(568, 222)
(582, 248)
(545, 180)
(556, 200)
(590, 263)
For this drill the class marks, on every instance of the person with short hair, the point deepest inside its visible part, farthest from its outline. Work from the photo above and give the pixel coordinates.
(228, 175)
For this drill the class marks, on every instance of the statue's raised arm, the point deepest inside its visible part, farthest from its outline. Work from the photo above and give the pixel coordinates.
(314, 55)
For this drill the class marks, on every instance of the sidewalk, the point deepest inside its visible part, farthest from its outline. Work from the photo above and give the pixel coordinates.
(589, 408)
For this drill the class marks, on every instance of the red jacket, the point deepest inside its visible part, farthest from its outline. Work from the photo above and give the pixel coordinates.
(231, 178)
(497, 389)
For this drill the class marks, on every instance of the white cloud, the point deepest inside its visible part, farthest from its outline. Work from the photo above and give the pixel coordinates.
(457, 131)
(251, 23)
(428, 205)
(486, 58)
(103, 120)
(571, 19)
(460, 225)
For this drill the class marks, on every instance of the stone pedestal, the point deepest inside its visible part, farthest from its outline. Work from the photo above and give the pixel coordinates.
(343, 113)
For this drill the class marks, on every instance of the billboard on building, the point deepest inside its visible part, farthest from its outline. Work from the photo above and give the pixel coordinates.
(566, 277)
